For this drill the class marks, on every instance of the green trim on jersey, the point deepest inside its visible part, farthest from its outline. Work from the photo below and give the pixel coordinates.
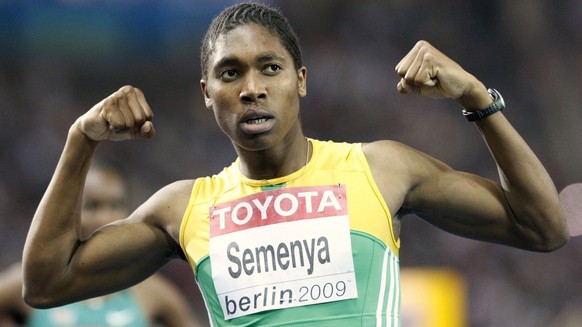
(375, 246)
(272, 187)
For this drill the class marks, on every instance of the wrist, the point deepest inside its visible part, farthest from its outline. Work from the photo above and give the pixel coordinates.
(496, 104)
(77, 136)
(475, 97)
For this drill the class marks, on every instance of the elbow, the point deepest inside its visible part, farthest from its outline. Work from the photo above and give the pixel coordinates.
(557, 241)
(37, 301)
(544, 231)
(39, 297)
(551, 246)
(551, 239)
(559, 234)
(40, 289)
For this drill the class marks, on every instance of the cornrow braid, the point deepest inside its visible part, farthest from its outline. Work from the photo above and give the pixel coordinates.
(247, 13)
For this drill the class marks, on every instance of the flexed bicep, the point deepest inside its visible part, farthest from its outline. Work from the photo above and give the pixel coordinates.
(118, 255)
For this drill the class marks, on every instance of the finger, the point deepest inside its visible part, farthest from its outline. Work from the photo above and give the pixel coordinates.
(427, 72)
(405, 87)
(136, 109)
(147, 130)
(123, 105)
(423, 69)
(111, 114)
(404, 64)
(403, 69)
(149, 114)
(413, 68)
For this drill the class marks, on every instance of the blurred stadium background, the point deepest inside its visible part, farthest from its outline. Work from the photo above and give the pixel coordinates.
(58, 58)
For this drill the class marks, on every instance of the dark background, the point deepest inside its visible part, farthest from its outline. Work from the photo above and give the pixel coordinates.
(59, 58)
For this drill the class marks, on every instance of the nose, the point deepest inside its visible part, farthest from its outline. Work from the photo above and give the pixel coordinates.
(253, 88)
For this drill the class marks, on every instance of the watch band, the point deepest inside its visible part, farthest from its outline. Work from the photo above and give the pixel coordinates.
(497, 105)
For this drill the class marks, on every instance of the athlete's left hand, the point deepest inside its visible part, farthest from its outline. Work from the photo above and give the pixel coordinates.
(427, 71)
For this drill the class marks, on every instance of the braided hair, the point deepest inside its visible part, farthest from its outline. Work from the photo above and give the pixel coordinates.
(247, 13)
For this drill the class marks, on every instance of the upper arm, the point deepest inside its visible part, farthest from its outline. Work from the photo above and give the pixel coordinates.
(125, 252)
(461, 203)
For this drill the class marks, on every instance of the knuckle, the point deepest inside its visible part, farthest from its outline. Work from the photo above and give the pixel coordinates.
(126, 89)
(421, 44)
(119, 95)
(140, 118)
(424, 43)
(123, 92)
(109, 103)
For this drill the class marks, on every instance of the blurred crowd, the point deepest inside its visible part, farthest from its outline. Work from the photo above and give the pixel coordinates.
(59, 58)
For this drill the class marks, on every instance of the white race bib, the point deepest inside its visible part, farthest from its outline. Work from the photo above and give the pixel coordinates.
(282, 248)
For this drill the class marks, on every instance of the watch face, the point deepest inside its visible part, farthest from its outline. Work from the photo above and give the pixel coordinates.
(497, 98)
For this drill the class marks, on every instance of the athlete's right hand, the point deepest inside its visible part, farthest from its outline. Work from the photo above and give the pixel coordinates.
(124, 115)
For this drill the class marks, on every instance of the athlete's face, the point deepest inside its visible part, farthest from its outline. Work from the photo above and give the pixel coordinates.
(253, 87)
(105, 199)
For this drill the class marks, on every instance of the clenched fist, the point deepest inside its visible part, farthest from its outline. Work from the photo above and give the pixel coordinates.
(427, 71)
(124, 115)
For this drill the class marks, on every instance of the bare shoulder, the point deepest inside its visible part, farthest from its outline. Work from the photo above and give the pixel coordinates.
(385, 149)
(392, 157)
(397, 168)
(166, 207)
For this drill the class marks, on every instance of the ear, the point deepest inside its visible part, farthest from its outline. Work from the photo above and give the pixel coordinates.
(207, 99)
(302, 81)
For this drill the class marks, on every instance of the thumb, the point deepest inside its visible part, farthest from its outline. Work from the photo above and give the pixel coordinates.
(147, 130)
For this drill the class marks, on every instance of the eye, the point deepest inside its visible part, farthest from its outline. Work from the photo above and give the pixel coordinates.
(272, 69)
(228, 75)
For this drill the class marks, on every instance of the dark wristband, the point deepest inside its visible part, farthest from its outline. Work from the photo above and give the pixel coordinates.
(497, 105)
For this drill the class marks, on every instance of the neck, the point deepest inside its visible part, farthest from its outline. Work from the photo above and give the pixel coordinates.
(274, 163)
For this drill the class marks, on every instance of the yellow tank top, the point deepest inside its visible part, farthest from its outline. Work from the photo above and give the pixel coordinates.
(373, 245)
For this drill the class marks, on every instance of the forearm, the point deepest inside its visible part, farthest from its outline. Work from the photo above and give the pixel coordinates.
(54, 232)
(528, 189)
(525, 211)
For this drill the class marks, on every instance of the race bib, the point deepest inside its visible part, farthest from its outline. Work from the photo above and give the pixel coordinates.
(282, 248)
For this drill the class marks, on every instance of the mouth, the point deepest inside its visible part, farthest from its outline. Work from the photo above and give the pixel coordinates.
(257, 123)
(256, 120)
